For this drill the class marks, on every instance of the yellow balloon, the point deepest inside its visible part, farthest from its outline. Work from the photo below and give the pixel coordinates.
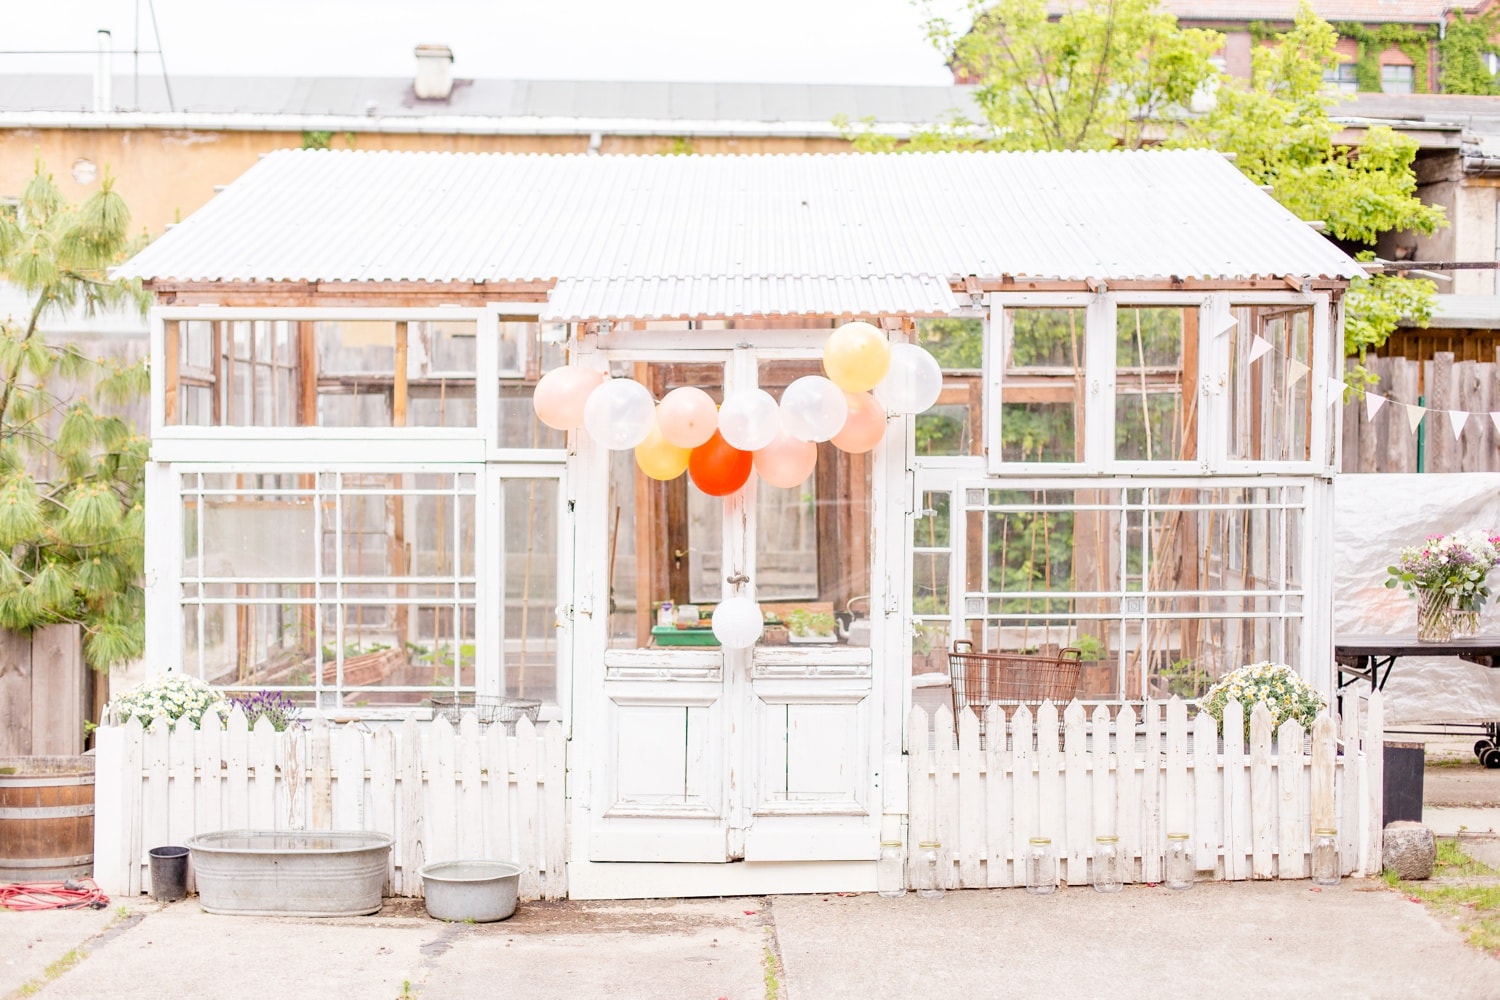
(856, 357)
(659, 458)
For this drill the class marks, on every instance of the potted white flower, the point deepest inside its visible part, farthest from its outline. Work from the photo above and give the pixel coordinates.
(1284, 692)
(174, 695)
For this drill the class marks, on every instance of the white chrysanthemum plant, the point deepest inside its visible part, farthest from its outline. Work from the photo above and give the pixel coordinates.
(178, 697)
(1284, 692)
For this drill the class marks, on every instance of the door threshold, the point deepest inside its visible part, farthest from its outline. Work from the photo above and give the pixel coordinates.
(656, 880)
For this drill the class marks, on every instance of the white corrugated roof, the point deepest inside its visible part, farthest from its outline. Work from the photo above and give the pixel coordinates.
(738, 235)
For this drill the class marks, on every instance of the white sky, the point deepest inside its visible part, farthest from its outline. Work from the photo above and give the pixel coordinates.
(794, 41)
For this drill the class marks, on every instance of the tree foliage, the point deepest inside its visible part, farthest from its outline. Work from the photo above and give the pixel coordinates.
(71, 474)
(1462, 51)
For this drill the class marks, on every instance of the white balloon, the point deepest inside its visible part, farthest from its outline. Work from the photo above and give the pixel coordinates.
(619, 414)
(750, 419)
(813, 409)
(738, 623)
(913, 382)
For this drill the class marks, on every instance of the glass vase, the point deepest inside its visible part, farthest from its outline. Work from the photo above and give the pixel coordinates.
(1434, 616)
(1465, 620)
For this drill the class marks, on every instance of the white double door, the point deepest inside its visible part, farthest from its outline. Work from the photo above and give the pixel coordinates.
(709, 754)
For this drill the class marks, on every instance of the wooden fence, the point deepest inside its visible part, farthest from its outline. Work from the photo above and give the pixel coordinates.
(46, 691)
(1387, 443)
(433, 789)
(1249, 814)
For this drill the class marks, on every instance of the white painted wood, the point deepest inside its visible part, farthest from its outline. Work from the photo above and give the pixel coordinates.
(154, 829)
(945, 771)
(972, 803)
(263, 751)
(1236, 795)
(347, 752)
(442, 793)
(1262, 795)
(1352, 804)
(1077, 821)
(1104, 762)
(1175, 798)
(1153, 837)
(471, 794)
(998, 793)
(110, 820)
(181, 748)
(921, 821)
(1208, 812)
(1291, 831)
(496, 760)
(320, 784)
(1323, 750)
(528, 801)
(237, 771)
(1127, 804)
(382, 760)
(554, 831)
(210, 752)
(1023, 764)
(1372, 850)
(291, 796)
(413, 839)
(133, 761)
(1049, 785)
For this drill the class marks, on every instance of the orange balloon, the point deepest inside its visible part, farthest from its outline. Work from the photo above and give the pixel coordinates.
(865, 426)
(659, 458)
(718, 468)
(787, 461)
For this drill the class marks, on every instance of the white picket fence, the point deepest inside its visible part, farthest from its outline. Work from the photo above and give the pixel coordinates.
(1249, 813)
(476, 793)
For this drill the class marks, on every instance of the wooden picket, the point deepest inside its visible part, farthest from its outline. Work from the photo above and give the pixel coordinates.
(433, 790)
(1250, 811)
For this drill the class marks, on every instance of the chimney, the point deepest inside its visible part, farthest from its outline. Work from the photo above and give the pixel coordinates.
(434, 73)
(103, 76)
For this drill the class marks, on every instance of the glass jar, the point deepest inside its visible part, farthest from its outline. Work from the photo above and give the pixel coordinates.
(1041, 867)
(890, 870)
(1107, 876)
(1180, 864)
(929, 869)
(1325, 857)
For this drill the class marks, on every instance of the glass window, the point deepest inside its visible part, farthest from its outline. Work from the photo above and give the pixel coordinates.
(1396, 79)
(1270, 384)
(527, 352)
(528, 523)
(1042, 379)
(1341, 78)
(1156, 366)
(952, 425)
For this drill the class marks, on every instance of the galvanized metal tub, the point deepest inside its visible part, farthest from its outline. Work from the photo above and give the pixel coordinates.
(481, 891)
(329, 873)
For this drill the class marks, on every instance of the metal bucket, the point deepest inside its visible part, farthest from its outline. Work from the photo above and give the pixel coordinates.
(46, 818)
(331, 873)
(481, 891)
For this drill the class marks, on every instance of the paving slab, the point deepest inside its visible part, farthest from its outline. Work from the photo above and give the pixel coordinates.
(30, 941)
(1227, 940)
(1448, 821)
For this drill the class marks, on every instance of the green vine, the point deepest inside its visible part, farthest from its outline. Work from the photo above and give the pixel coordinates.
(1461, 52)
(1414, 43)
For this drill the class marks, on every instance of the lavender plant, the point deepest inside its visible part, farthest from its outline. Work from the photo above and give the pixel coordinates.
(275, 707)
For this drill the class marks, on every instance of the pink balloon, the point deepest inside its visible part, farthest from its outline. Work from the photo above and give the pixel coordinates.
(865, 426)
(786, 461)
(561, 393)
(687, 416)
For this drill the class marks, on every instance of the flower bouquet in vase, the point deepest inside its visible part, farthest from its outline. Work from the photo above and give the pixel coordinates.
(1446, 574)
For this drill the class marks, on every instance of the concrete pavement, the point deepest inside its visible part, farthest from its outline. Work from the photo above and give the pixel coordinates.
(1224, 940)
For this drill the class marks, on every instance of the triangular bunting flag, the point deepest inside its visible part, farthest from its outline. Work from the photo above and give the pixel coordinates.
(1458, 418)
(1226, 323)
(1495, 419)
(1414, 415)
(1259, 347)
(1295, 371)
(1373, 403)
(1335, 390)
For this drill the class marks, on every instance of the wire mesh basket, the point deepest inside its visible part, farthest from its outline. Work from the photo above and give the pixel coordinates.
(1011, 679)
(506, 711)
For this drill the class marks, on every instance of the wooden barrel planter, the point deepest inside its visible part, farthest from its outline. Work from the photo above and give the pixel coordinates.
(46, 818)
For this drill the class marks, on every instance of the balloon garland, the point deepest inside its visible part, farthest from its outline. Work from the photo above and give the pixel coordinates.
(717, 447)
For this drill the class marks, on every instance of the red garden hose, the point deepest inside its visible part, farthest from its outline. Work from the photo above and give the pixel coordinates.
(70, 895)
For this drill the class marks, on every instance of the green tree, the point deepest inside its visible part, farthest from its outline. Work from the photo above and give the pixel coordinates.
(71, 476)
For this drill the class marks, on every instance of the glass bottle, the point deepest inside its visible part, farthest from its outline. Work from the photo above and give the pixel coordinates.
(1041, 867)
(1325, 857)
(1180, 864)
(890, 870)
(1107, 877)
(929, 869)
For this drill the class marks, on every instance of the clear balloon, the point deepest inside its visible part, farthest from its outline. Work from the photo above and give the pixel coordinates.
(786, 462)
(718, 469)
(913, 383)
(856, 357)
(813, 409)
(687, 416)
(561, 394)
(619, 414)
(750, 419)
(738, 623)
(659, 458)
(865, 426)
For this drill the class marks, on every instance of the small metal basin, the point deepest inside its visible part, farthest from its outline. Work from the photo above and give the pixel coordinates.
(481, 891)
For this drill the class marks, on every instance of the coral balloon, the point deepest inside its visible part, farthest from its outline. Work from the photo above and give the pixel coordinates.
(750, 419)
(913, 383)
(687, 416)
(561, 394)
(856, 357)
(738, 623)
(619, 414)
(865, 426)
(813, 409)
(659, 458)
(786, 462)
(718, 468)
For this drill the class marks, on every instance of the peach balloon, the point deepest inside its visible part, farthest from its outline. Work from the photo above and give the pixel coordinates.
(687, 416)
(561, 394)
(865, 426)
(856, 357)
(786, 462)
(659, 458)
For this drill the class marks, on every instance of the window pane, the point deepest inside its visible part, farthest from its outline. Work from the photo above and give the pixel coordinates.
(1156, 352)
(1042, 385)
(529, 659)
(1397, 79)
(1270, 397)
(527, 352)
(952, 425)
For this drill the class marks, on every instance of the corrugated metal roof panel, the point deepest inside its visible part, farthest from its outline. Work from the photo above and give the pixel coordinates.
(748, 295)
(302, 215)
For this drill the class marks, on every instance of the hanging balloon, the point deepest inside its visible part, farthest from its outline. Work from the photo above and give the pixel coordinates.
(856, 357)
(813, 409)
(738, 623)
(717, 468)
(561, 393)
(659, 458)
(865, 426)
(913, 383)
(786, 462)
(687, 416)
(619, 414)
(750, 419)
